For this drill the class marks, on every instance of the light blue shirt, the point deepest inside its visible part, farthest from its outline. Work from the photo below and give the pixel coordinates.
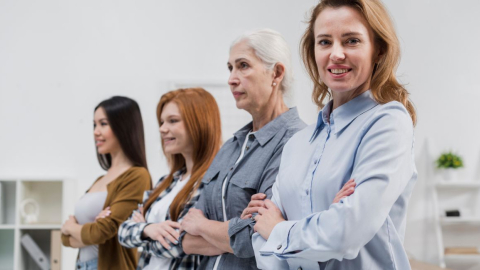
(366, 141)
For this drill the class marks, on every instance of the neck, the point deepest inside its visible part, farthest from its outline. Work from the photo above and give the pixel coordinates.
(267, 113)
(340, 98)
(188, 163)
(120, 160)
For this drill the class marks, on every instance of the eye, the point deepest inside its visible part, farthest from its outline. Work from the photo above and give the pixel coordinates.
(230, 68)
(172, 121)
(353, 41)
(324, 42)
(243, 65)
(94, 125)
(103, 124)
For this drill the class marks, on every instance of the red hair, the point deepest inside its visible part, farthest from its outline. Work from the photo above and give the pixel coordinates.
(201, 116)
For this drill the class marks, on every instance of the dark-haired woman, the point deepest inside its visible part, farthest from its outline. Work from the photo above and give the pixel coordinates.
(119, 139)
(190, 129)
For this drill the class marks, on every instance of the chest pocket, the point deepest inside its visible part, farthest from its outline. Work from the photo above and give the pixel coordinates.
(247, 178)
(210, 175)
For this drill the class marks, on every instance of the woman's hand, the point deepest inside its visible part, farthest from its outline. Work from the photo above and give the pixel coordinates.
(193, 221)
(105, 213)
(163, 231)
(68, 225)
(255, 203)
(346, 191)
(267, 219)
(138, 217)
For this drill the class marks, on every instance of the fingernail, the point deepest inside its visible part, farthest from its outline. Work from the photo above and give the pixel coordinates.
(176, 242)
(169, 248)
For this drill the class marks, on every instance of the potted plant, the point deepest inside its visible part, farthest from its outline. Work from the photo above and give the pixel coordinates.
(449, 163)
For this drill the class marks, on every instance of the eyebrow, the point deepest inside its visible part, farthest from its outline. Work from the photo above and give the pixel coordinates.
(101, 119)
(239, 60)
(343, 35)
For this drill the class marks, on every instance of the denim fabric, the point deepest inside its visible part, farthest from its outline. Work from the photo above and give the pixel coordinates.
(88, 265)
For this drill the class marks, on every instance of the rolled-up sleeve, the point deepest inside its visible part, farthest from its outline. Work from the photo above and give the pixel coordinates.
(384, 167)
(240, 230)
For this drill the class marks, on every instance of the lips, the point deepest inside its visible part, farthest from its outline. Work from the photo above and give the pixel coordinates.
(168, 140)
(338, 71)
(99, 142)
(237, 94)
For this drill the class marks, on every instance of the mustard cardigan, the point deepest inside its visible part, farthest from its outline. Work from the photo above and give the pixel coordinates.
(124, 195)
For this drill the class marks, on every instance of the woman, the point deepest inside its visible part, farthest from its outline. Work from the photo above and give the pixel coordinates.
(190, 129)
(260, 74)
(119, 138)
(351, 52)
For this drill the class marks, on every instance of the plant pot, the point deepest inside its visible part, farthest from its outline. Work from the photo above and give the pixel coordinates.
(449, 174)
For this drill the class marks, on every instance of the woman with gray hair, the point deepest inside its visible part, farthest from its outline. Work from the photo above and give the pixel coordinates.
(247, 164)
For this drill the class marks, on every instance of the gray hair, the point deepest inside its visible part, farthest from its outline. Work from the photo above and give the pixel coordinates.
(271, 48)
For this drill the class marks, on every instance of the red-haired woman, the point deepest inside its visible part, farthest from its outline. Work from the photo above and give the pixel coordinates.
(190, 129)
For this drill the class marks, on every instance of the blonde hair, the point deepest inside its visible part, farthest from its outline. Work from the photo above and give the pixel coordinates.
(384, 85)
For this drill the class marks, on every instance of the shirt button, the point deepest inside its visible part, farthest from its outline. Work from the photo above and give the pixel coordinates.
(251, 137)
(315, 161)
(279, 247)
(307, 191)
(231, 168)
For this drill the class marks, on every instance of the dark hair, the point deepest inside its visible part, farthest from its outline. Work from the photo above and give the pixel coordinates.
(125, 120)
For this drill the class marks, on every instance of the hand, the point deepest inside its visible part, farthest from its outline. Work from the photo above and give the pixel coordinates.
(68, 224)
(138, 217)
(193, 222)
(267, 219)
(105, 213)
(253, 206)
(346, 191)
(163, 231)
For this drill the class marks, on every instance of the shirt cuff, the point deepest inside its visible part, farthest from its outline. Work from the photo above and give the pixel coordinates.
(278, 240)
(137, 239)
(237, 224)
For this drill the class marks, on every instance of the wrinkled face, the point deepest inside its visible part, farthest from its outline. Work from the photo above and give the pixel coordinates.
(344, 50)
(173, 132)
(250, 82)
(105, 141)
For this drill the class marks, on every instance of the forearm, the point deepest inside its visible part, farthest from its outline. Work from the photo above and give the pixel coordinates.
(198, 245)
(216, 233)
(75, 232)
(76, 243)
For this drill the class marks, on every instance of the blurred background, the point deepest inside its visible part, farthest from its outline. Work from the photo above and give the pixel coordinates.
(59, 59)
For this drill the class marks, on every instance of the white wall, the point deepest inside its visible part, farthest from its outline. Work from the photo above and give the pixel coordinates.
(58, 59)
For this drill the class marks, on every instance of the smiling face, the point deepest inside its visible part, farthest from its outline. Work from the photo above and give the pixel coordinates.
(174, 135)
(344, 50)
(250, 82)
(105, 141)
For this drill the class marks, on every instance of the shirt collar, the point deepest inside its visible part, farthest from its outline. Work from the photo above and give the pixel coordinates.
(267, 132)
(345, 114)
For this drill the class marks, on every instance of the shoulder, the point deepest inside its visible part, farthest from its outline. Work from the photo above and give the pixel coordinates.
(392, 114)
(138, 175)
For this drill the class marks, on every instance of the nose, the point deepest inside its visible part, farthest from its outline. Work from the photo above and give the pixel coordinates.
(163, 129)
(233, 79)
(338, 53)
(96, 131)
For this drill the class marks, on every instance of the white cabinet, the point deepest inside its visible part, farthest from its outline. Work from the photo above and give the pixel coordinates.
(51, 197)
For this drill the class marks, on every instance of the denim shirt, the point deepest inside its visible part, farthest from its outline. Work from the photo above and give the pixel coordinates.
(254, 173)
(369, 142)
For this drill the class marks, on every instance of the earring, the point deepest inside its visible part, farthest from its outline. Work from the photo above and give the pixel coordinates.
(274, 84)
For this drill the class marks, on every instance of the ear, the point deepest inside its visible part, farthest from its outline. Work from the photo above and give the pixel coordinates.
(278, 73)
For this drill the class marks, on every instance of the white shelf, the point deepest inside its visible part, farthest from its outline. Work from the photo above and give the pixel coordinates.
(40, 227)
(7, 227)
(460, 221)
(463, 184)
(462, 257)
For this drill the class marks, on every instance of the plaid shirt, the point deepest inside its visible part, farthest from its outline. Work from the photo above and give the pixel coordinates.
(130, 233)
